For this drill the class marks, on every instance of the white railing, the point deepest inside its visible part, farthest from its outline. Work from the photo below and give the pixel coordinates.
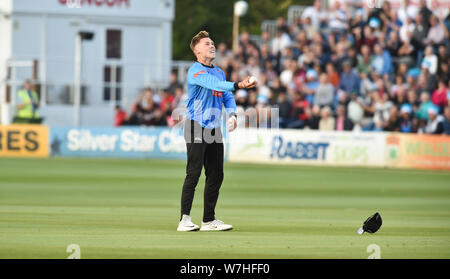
(295, 12)
(269, 26)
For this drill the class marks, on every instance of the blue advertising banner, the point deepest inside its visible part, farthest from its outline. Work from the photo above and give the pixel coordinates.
(125, 142)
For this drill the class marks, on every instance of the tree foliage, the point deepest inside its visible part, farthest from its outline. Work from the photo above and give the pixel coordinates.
(216, 17)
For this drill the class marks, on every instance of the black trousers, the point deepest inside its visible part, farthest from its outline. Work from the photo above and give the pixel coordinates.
(204, 149)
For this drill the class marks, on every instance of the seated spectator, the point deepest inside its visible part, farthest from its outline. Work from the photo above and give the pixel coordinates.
(306, 59)
(393, 44)
(135, 118)
(150, 110)
(280, 42)
(406, 123)
(439, 96)
(425, 13)
(120, 116)
(174, 83)
(311, 85)
(337, 18)
(252, 67)
(405, 54)
(399, 86)
(276, 88)
(166, 103)
(265, 56)
(137, 112)
(426, 82)
(425, 104)
(315, 13)
(364, 60)
(241, 98)
(341, 56)
(407, 11)
(325, 92)
(298, 78)
(263, 89)
(284, 109)
(221, 52)
(326, 122)
(410, 81)
(394, 23)
(406, 30)
(265, 39)
(369, 38)
(402, 70)
(288, 73)
(430, 60)
(358, 20)
(444, 71)
(310, 28)
(270, 73)
(435, 124)
(349, 80)
(299, 116)
(322, 58)
(436, 33)
(420, 31)
(157, 118)
(313, 117)
(366, 85)
(413, 100)
(342, 122)
(333, 76)
(382, 112)
(355, 109)
(352, 56)
(180, 98)
(382, 62)
(443, 54)
(252, 98)
(393, 122)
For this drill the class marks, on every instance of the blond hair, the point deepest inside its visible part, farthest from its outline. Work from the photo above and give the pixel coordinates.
(200, 35)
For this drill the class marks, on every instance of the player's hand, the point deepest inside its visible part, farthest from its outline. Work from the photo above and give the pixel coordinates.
(246, 84)
(232, 123)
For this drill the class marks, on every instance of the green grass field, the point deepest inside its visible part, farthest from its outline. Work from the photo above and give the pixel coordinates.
(115, 208)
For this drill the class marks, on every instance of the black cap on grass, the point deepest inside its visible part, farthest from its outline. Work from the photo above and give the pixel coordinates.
(372, 224)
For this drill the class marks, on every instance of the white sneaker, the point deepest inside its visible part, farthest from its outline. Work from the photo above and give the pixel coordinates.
(186, 224)
(215, 225)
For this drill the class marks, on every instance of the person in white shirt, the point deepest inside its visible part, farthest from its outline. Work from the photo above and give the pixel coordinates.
(407, 30)
(355, 109)
(430, 60)
(382, 107)
(280, 42)
(407, 10)
(337, 17)
(315, 13)
(435, 122)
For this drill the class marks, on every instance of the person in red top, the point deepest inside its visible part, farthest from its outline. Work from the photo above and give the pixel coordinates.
(333, 76)
(439, 96)
(166, 102)
(166, 105)
(120, 116)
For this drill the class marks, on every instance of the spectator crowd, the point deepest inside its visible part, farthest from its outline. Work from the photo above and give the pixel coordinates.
(348, 67)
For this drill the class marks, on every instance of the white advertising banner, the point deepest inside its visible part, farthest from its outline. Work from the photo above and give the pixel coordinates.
(307, 147)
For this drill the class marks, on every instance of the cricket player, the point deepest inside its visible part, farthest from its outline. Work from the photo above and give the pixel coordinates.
(208, 91)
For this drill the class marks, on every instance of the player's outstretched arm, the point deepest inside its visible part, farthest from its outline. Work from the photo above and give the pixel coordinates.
(206, 80)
